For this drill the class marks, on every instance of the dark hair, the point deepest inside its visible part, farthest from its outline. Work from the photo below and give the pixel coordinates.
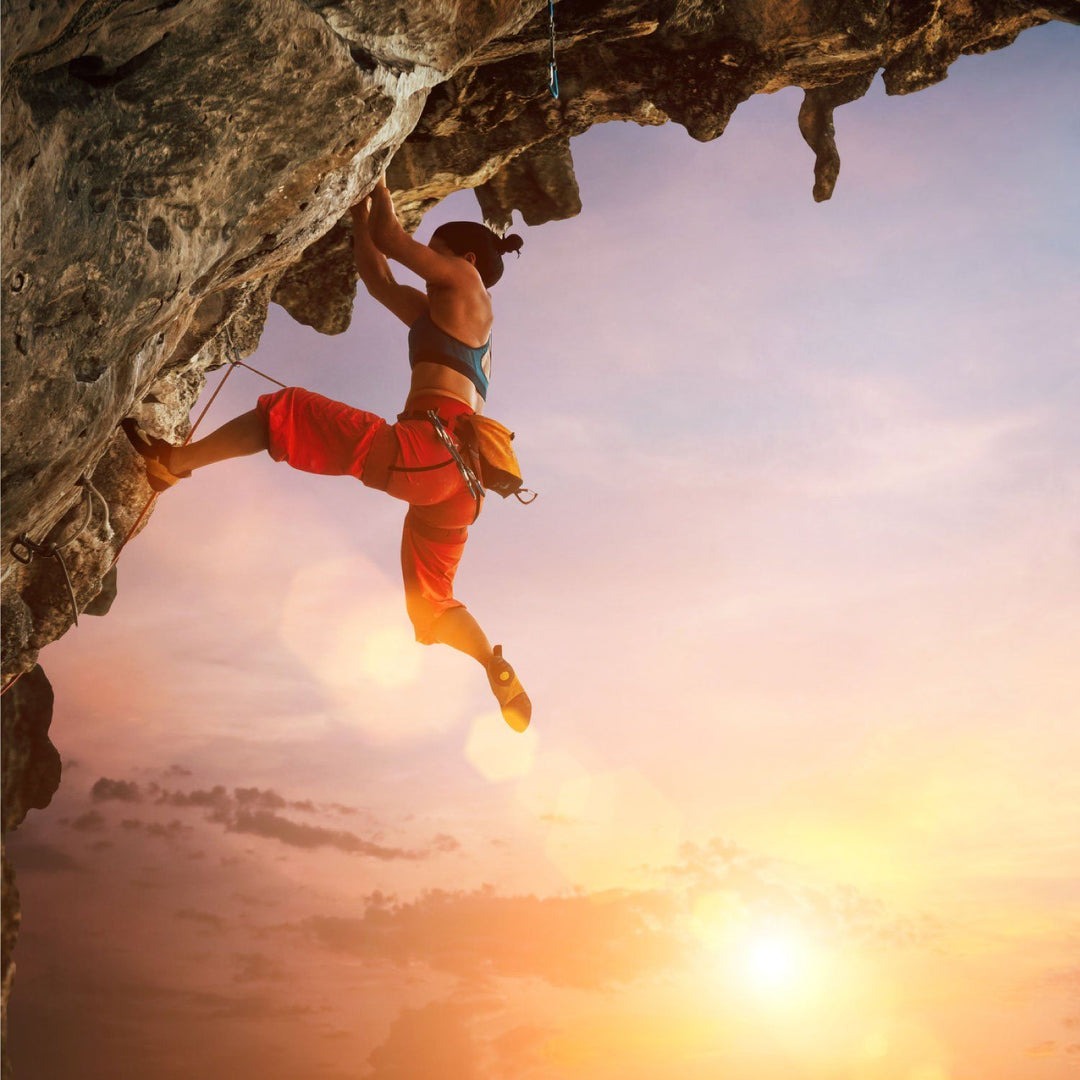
(463, 237)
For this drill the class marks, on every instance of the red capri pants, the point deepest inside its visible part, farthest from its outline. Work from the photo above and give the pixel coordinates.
(406, 459)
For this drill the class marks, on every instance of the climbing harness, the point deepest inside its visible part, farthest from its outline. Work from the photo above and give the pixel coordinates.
(476, 489)
(553, 69)
(468, 473)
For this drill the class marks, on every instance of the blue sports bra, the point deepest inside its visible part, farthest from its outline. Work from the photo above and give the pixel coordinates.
(430, 345)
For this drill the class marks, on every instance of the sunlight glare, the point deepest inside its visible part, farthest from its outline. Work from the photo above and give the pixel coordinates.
(345, 621)
(781, 964)
(773, 962)
(496, 752)
(389, 656)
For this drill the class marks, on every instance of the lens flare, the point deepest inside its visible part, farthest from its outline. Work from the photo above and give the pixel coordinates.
(496, 752)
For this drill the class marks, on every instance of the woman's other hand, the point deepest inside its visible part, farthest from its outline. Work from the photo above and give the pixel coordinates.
(382, 221)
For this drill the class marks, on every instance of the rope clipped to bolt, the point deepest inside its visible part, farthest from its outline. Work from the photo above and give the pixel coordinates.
(234, 362)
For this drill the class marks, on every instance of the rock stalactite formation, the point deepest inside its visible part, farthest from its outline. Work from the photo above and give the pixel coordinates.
(171, 168)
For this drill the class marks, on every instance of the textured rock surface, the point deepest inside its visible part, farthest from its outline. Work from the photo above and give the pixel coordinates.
(31, 776)
(170, 168)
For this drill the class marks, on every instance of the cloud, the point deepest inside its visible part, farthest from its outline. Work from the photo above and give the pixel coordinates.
(106, 790)
(445, 1039)
(172, 831)
(517, 1047)
(256, 967)
(264, 800)
(252, 811)
(582, 941)
(216, 798)
(91, 821)
(202, 918)
(430, 1041)
(769, 888)
(703, 863)
(296, 834)
(1042, 1050)
(1067, 979)
(250, 1007)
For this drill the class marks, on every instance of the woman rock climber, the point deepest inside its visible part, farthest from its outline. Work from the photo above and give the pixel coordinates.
(450, 357)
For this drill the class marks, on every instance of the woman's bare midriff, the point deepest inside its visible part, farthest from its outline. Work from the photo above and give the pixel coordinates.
(437, 379)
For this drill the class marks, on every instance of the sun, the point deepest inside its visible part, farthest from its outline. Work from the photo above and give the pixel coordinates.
(780, 963)
(773, 959)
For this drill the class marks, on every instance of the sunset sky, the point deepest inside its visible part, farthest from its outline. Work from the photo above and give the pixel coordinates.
(798, 608)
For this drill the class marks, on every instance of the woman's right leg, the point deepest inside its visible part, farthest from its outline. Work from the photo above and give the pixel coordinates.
(246, 434)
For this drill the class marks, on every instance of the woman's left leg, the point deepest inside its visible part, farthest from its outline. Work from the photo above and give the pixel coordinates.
(429, 559)
(457, 628)
(243, 435)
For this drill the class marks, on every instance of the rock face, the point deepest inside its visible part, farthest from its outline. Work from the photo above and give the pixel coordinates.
(31, 776)
(171, 168)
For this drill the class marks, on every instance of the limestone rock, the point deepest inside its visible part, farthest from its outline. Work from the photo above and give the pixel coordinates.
(319, 288)
(539, 184)
(31, 765)
(31, 775)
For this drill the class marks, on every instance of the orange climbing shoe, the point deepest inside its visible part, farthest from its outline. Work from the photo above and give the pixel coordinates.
(155, 452)
(510, 694)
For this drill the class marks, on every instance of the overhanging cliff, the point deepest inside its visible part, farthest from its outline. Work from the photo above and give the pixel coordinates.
(170, 169)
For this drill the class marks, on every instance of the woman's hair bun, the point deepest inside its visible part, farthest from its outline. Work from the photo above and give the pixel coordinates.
(513, 242)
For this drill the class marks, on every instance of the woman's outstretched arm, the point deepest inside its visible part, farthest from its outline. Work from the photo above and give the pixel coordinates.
(407, 303)
(393, 241)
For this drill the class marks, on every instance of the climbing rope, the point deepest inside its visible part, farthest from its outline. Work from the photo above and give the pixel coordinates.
(553, 68)
(234, 363)
(25, 550)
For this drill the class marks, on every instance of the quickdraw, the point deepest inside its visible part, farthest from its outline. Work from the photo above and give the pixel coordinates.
(553, 68)
(476, 489)
(25, 551)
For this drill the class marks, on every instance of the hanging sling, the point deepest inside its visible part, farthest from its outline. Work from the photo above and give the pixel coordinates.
(490, 441)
